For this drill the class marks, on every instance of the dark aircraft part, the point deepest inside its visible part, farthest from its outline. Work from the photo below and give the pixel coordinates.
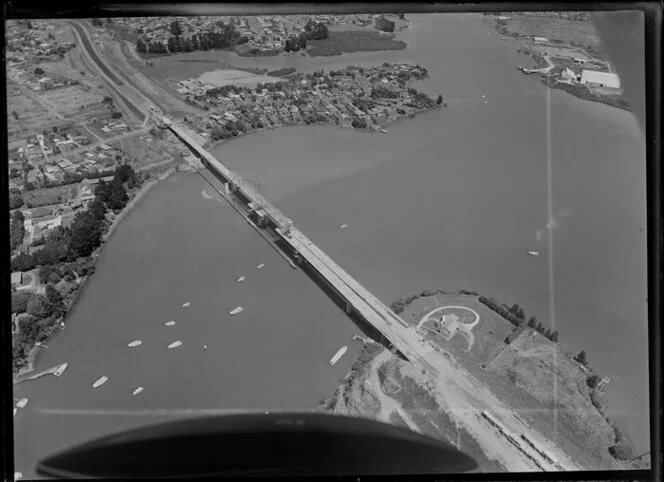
(265, 444)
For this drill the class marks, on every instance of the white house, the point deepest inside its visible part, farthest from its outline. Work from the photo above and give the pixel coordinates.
(603, 79)
(569, 74)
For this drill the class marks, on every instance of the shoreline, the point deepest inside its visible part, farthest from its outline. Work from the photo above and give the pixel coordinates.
(32, 358)
(347, 398)
(577, 90)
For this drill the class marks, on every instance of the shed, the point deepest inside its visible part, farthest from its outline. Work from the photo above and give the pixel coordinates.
(603, 79)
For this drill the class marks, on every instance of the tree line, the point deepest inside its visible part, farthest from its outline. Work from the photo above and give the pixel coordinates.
(384, 24)
(312, 31)
(517, 317)
(224, 37)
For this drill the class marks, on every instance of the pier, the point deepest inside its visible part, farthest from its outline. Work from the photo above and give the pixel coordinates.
(39, 374)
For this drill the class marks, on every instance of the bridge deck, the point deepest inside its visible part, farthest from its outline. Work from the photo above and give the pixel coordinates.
(364, 302)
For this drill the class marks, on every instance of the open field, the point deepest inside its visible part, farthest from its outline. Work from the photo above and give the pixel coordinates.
(569, 428)
(575, 32)
(352, 41)
(32, 117)
(219, 78)
(78, 101)
(489, 333)
(49, 196)
(145, 150)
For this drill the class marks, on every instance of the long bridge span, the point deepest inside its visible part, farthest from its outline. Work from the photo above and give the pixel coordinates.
(356, 297)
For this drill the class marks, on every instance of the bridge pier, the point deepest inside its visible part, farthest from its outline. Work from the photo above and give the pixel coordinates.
(298, 258)
(349, 307)
(227, 189)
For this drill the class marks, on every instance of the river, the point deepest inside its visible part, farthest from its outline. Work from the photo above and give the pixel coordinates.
(451, 199)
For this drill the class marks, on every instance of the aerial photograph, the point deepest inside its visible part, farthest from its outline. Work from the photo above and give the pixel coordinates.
(436, 221)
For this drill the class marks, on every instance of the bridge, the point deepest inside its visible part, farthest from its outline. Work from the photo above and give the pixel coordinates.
(357, 299)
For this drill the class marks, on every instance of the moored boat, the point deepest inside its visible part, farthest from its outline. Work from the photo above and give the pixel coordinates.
(186, 305)
(100, 382)
(137, 391)
(22, 403)
(134, 343)
(338, 355)
(533, 253)
(175, 344)
(169, 323)
(241, 279)
(260, 266)
(60, 370)
(237, 310)
(343, 226)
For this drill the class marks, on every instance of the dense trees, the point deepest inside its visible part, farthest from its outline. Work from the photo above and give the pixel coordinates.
(39, 71)
(316, 30)
(16, 230)
(379, 92)
(384, 24)
(86, 233)
(97, 22)
(532, 322)
(20, 301)
(224, 36)
(359, 123)
(582, 358)
(176, 29)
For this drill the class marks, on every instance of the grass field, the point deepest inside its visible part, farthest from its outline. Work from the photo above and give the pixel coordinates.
(32, 117)
(573, 32)
(78, 101)
(525, 385)
(352, 41)
(49, 196)
(489, 333)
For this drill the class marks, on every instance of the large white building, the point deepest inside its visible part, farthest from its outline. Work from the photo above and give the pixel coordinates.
(603, 79)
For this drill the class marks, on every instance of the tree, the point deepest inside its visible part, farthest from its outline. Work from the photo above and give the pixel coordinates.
(15, 114)
(554, 336)
(23, 262)
(547, 333)
(55, 299)
(107, 100)
(176, 29)
(593, 381)
(539, 328)
(532, 322)
(97, 22)
(97, 208)
(141, 46)
(38, 306)
(581, 358)
(86, 232)
(520, 314)
(439, 100)
(20, 301)
(39, 71)
(45, 273)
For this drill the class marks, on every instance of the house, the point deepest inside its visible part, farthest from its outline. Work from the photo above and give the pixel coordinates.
(16, 278)
(540, 40)
(569, 74)
(449, 324)
(579, 61)
(602, 79)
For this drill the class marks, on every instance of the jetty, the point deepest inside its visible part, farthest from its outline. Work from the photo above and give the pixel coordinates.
(33, 376)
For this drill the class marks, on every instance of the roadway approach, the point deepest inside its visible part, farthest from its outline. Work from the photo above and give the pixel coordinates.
(357, 298)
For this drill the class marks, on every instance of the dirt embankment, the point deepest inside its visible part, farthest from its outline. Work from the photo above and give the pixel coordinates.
(381, 388)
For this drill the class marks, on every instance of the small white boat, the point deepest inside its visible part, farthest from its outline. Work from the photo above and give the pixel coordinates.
(260, 266)
(137, 391)
(18, 475)
(186, 305)
(204, 347)
(504, 38)
(15, 411)
(338, 355)
(483, 96)
(343, 226)
(169, 323)
(22, 403)
(237, 310)
(100, 382)
(382, 130)
(134, 343)
(62, 325)
(533, 253)
(175, 344)
(61, 369)
(241, 279)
